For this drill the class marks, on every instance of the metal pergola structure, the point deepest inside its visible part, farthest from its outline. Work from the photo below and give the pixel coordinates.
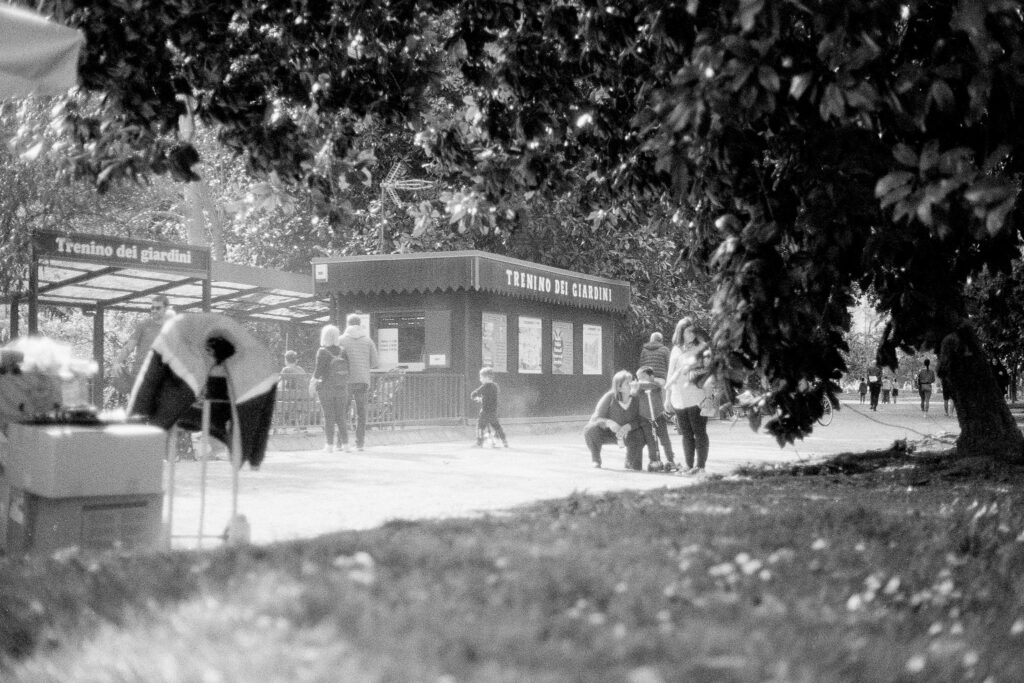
(98, 273)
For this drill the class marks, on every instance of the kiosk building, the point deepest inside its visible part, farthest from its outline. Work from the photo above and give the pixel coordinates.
(548, 333)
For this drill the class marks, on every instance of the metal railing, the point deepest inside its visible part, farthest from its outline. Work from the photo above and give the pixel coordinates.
(395, 399)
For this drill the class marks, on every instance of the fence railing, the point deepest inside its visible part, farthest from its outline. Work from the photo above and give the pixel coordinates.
(394, 399)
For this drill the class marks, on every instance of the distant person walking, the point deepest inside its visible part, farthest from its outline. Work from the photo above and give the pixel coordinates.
(487, 396)
(655, 355)
(687, 373)
(925, 380)
(362, 356)
(886, 389)
(874, 384)
(862, 389)
(948, 398)
(617, 418)
(331, 373)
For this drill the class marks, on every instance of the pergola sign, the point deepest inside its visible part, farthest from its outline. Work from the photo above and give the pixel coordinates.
(96, 273)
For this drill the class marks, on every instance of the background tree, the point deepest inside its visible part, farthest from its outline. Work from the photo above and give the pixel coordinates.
(821, 147)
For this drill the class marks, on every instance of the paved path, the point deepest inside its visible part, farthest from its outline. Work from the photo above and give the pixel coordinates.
(307, 493)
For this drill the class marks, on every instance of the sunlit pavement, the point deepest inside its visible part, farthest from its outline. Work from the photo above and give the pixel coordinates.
(309, 493)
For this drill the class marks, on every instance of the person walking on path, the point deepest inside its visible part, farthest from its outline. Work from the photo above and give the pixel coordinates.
(617, 418)
(862, 389)
(487, 396)
(687, 374)
(655, 355)
(948, 399)
(331, 373)
(362, 356)
(925, 380)
(874, 384)
(886, 389)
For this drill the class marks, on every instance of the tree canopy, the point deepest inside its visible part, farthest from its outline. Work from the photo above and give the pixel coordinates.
(802, 148)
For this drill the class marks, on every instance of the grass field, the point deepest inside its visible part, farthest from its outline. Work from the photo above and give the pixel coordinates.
(883, 566)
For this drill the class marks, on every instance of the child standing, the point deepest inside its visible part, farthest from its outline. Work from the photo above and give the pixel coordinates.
(487, 396)
(655, 425)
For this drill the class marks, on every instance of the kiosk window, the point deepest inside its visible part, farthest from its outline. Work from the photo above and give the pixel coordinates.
(411, 331)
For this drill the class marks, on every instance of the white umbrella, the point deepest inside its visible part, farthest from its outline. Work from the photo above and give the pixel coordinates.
(37, 56)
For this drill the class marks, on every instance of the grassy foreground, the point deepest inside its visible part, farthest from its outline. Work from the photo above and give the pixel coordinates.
(871, 567)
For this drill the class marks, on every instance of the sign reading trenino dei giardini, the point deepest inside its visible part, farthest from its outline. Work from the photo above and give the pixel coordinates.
(124, 252)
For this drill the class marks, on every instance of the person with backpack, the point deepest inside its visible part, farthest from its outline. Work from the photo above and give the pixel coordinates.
(331, 374)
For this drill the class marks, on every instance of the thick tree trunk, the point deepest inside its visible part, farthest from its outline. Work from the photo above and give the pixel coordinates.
(986, 426)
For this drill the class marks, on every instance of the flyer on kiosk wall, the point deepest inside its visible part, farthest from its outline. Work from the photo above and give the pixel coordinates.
(592, 350)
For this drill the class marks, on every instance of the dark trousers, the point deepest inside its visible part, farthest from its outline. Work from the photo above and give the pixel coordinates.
(334, 403)
(694, 428)
(655, 433)
(357, 390)
(489, 420)
(875, 390)
(596, 436)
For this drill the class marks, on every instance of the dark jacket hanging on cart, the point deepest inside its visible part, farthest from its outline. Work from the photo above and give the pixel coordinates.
(207, 351)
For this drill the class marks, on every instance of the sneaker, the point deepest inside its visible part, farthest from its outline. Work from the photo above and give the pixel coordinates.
(329, 448)
(478, 444)
(359, 448)
(505, 444)
(671, 466)
(689, 471)
(597, 464)
(655, 466)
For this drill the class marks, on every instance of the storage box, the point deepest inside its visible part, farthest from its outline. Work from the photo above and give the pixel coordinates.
(73, 461)
(35, 523)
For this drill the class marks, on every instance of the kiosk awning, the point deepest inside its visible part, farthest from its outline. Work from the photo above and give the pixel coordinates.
(91, 271)
(469, 271)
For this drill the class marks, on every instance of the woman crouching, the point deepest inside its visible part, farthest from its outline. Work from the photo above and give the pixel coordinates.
(617, 419)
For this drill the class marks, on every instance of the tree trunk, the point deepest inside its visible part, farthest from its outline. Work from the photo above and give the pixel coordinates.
(986, 426)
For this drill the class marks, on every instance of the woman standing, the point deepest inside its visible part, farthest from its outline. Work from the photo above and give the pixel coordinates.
(617, 418)
(687, 373)
(331, 373)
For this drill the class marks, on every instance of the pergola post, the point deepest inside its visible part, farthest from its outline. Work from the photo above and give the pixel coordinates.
(33, 295)
(15, 316)
(98, 353)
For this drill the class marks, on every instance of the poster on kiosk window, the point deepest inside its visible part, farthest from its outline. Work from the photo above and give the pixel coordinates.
(591, 349)
(530, 345)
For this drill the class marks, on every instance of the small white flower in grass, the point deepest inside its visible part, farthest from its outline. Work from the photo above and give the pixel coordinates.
(892, 585)
(819, 544)
(501, 563)
(860, 547)
(782, 555)
(957, 629)
(741, 559)
(621, 587)
(855, 602)
(664, 615)
(620, 631)
(723, 569)
(971, 659)
(670, 591)
(915, 664)
(935, 629)
(596, 619)
(1017, 628)
(765, 575)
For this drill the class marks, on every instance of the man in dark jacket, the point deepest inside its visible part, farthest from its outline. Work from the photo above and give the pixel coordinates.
(655, 355)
